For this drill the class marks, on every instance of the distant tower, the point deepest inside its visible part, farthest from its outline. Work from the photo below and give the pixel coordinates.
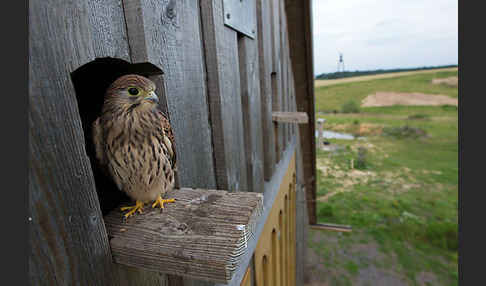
(340, 67)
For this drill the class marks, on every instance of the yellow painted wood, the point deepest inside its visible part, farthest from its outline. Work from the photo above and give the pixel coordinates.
(274, 255)
(247, 278)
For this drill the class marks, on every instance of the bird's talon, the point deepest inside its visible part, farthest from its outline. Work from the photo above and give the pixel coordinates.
(137, 207)
(160, 201)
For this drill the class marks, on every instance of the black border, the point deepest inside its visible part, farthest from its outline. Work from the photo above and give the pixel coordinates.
(14, 130)
(471, 167)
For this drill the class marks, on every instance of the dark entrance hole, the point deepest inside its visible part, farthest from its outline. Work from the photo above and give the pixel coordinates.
(90, 83)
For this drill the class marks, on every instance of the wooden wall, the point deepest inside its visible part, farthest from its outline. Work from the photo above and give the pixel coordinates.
(219, 89)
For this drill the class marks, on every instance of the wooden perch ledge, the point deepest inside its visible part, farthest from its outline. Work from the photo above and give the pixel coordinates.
(290, 117)
(202, 235)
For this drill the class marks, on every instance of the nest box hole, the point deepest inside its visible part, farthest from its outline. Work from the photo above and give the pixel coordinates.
(90, 83)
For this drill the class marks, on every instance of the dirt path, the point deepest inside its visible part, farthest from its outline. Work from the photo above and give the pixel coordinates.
(327, 196)
(396, 98)
(325, 82)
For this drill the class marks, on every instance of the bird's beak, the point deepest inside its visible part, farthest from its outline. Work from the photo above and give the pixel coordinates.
(152, 97)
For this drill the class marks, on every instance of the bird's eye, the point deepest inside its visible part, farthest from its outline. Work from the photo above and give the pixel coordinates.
(133, 91)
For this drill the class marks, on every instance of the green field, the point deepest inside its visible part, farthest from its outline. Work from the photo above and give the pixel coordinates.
(400, 197)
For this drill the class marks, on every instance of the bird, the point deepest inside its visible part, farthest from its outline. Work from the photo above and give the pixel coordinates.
(134, 142)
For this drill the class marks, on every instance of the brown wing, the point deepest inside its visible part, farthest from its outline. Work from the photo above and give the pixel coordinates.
(99, 142)
(97, 133)
(170, 135)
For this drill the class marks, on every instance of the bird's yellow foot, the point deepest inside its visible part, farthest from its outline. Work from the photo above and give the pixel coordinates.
(160, 201)
(137, 207)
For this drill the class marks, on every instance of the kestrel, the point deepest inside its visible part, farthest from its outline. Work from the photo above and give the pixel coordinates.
(134, 142)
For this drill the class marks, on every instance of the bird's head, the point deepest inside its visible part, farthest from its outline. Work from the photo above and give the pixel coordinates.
(132, 92)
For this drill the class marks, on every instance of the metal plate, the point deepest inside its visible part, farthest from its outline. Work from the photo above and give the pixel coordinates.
(240, 15)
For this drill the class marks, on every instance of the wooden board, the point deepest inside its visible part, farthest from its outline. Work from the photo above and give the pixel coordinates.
(221, 54)
(67, 237)
(332, 227)
(282, 30)
(247, 278)
(107, 29)
(202, 235)
(276, 75)
(265, 66)
(251, 110)
(168, 34)
(274, 255)
(290, 117)
(299, 23)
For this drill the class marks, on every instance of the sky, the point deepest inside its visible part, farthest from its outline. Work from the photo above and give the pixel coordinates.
(384, 34)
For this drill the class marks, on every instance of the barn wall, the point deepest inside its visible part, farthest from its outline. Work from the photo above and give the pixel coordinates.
(66, 232)
(219, 89)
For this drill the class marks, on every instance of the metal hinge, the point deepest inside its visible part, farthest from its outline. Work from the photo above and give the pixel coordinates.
(240, 15)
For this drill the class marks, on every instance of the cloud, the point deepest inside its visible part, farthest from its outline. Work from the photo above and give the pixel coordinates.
(384, 33)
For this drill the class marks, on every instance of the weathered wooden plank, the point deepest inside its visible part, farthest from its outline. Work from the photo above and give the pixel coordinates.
(168, 34)
(276, 75)
(67, 238)
(299, 23)
(290, 117)
(333, 227)
(251, 109)
(129, 276)
(300, 214)
(202, 235)
(283, 68)
(221, 54)
(265, 68)
(107, 29)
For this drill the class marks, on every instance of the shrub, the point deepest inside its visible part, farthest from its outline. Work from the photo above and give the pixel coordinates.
(350, 107)
(448, 107)
(419, 116)
(326, 211)
(443, 235)
(404, 132)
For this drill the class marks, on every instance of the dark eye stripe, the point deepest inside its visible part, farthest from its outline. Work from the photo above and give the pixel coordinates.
(133, 91)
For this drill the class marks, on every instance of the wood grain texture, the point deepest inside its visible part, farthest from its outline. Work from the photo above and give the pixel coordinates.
(299, 23)
(107, 28)
(300, 215)
(168, 34)
(251, 110)
(276, 75)
(202, 235)
(129, 276)
(290, 117)
(223, 79)
(67, 237)
(283, 68)
(265, 67)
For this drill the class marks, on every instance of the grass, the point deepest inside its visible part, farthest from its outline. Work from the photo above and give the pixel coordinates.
(406, 199)
(330, 98)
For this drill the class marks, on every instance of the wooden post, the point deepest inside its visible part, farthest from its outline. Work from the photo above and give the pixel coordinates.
(320, 123)
(299, 24)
